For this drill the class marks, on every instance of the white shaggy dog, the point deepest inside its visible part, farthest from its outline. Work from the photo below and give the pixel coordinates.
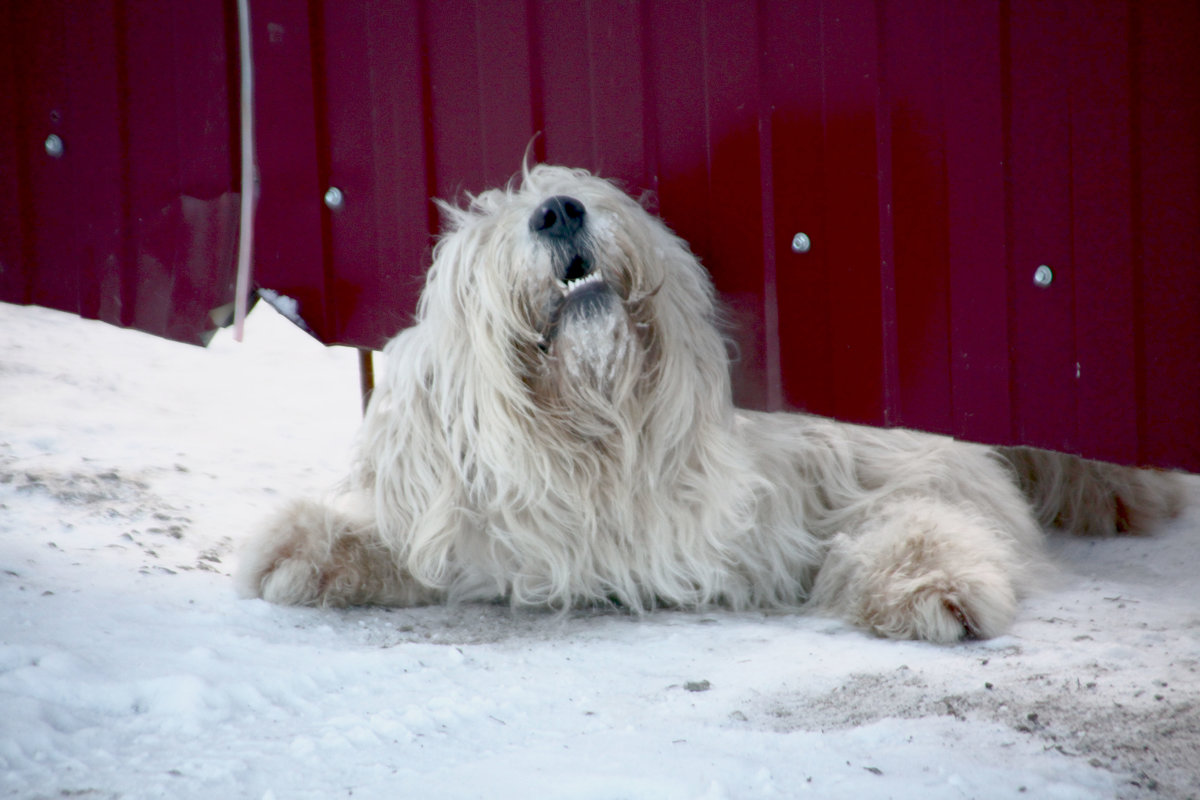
(557, 429)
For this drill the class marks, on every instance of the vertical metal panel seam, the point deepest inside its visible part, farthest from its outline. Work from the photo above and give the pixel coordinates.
(480, 105)
(24, 139)
(1137, 244)
(827, 227)
(537, 87)
(589, 34)
(233, 92)
(706, 71)
(770, 235)
(127, 268)
(178, 187)
(770, 300)
(824, 78)
(650, 131)
(1006, 112)
(427, 132)
(317, 60)
(374, 244)
(1073, 267)
(38, 223)
(887, 235)
(951, 421)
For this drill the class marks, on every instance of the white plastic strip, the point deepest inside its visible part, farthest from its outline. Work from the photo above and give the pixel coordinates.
(249, 172)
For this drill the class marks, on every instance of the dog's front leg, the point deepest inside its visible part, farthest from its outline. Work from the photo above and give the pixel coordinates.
(921, 568)
(314, 554)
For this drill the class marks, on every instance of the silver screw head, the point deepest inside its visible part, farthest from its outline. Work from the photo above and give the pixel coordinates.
(1043, 276)
(55, 146)
(801, 243)
(334, 199)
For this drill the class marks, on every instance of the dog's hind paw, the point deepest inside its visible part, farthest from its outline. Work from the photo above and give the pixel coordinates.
(1093, 498)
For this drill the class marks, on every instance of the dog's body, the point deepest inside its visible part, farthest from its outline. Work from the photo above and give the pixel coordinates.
(557, 429)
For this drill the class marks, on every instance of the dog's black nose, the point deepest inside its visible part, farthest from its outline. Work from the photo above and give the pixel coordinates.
(559, 217)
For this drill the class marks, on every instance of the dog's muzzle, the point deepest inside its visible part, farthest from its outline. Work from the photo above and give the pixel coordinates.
(561, 224)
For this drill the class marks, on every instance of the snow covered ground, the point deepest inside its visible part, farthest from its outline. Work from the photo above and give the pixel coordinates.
(130, 468)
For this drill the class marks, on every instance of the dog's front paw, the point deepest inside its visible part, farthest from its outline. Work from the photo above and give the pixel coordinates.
(311, 554)
(923, 570)
(943, 610)
(283, 563)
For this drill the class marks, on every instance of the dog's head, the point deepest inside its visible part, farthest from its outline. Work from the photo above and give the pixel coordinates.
(566, 283)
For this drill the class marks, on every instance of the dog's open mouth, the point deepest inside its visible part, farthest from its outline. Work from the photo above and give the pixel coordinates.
(583, 295)
(577, 269)
(586, 295)
(583, 288)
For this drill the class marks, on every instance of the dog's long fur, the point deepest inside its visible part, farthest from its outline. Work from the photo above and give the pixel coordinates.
(559, 446)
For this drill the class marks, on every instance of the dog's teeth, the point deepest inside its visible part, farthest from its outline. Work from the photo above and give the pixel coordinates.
(572, 285)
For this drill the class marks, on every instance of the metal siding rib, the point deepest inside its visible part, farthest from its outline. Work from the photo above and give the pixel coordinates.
(914, 115)
(1044, 359)
(800, 175)
(850, 52)
(289, 233)
(1168, 108)
(973, 75)
(1101, 228)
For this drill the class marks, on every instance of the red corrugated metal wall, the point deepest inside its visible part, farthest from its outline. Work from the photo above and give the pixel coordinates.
(129, 213)
(935, 153)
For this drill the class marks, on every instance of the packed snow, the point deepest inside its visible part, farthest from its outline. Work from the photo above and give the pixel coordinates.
(131, 468)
